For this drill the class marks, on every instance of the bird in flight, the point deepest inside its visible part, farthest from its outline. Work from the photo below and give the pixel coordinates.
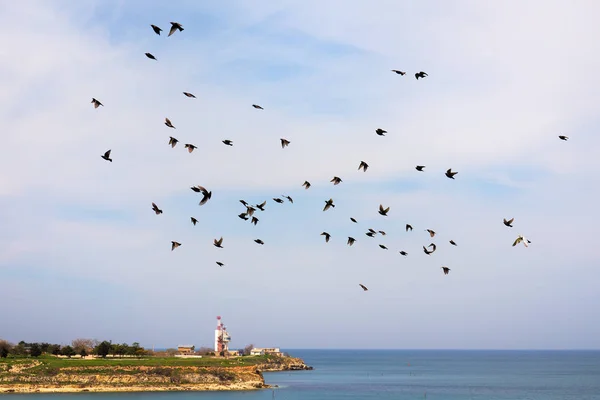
(172, 141)
(277, 200)
(96, 103)
(262, 205)
(189, 94)
(431, 233)
(450, 174)
(509, 222)
(399, 72)
(289, 198)
(150, 56)
(168, 123)
(257, 107)
(565, 138)
(446, 270)
(220, 264)
(380, 132)
(409, 226)
(284, 143)
(403, 253)
(156, 209)
(156, 29)
(452, 243)
(106, 156)
(190, 147)
(336, 180)
(259, 241)
(523, 239)
(327, 236)
(363, 165)
(228, 142)
(383, 211)
(328, 204)
(218, 243)
(175, 26)
(420, 167)
(194, 220)
(420, 75)
(383, 247)
(206, 195)
(363, 287)
(351, 241)
(174, 245)
(353, 220)
(306, 184)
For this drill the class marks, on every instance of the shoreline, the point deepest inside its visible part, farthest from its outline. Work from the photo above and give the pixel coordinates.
(143, 378)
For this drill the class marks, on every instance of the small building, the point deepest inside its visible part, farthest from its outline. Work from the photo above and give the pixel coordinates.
(261, 351)
(186, 349)
(233, 353)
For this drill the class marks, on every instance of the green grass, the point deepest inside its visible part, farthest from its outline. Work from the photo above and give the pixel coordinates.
(50, 362)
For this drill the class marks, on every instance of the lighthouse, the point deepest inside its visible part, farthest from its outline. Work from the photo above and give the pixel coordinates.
(222, 337)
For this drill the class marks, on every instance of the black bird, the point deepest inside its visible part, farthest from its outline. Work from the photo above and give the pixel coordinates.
(409, 226)
(218, 243)
(565, 138)
(220, 264)
(351, 241)
(383, 211)
(380, 132)
(509, 222)
(277, 200)
(228, 142)
(289, 198)
(452, 243)
(370, 234)
(259, 241)
(174, 245)
(190, 147)
(363, 165)
(106, 156)
(284, 143)
(353, 220)
(383, 247)
(328, 204)
(336, 180)
(243, 216)
(446, 270)
(420, 167)
(96, 103)
(174, 27)
(363, 287)
(431, 233)
(172, 141)
(168, 123)
(327, 236)
(450, 174)
(257, 107)
(382, 233)
(194, 220)
(156, 209)
(156, 29)
(306, 184)
(244, 202)
(262, 205)
(189, 94)
(420, 75)
(399, 72)
(254, 220)
(206, 195)
(403, 253)
(150, 56)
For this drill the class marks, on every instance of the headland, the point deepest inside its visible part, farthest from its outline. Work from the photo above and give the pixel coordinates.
(48, 373)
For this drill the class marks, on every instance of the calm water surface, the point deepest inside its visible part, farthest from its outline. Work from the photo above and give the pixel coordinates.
(399, 374)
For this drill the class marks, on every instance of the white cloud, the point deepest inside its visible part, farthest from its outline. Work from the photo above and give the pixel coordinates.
(499, 92)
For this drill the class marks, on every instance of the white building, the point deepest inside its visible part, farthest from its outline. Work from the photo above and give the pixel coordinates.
(222, 337)
(261, 351)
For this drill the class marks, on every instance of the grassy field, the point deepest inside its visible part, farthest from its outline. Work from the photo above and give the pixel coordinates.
(55, 362)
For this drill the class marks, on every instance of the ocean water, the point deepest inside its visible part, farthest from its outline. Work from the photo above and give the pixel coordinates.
(406, 374)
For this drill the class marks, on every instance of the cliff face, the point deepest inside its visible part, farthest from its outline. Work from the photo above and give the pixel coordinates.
(284, 364)
(132, 378)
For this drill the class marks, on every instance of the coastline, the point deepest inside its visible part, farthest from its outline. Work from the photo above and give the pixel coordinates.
(28, 378)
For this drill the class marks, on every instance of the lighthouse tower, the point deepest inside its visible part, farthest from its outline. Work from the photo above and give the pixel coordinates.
(222, 337)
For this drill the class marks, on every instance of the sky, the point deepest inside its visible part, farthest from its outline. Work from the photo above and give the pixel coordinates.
(83, 255)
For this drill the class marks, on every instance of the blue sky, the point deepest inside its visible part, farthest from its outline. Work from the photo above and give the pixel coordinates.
(81, 250)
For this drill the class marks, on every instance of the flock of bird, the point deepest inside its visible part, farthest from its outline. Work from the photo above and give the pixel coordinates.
(248, 214)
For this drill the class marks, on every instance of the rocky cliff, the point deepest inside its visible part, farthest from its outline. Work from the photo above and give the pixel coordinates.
(36, 376)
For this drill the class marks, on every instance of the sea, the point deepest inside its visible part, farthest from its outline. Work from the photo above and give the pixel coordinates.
(408, 374)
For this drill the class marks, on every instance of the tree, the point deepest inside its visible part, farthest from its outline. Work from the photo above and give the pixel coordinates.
(67, 351)
(5, 348)
(54, 349)
(83, 352)
(204, 351)
(247, 350)
(102, 349)
(35, 350)
(79, 344)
